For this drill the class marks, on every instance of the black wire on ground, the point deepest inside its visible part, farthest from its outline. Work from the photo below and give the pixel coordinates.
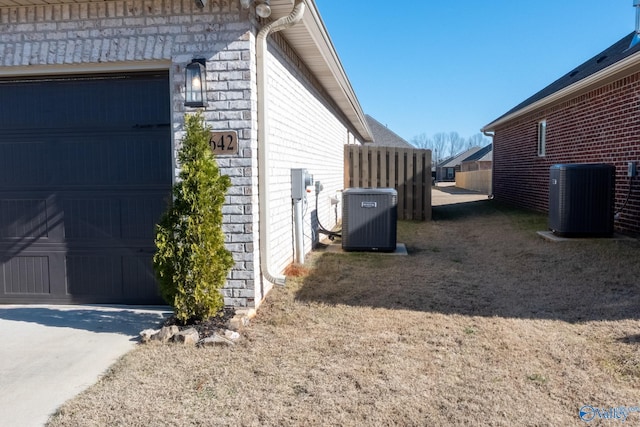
(624, 205)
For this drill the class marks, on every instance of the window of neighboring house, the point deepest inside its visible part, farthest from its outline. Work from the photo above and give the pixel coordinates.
(450, 173)
(542, 138)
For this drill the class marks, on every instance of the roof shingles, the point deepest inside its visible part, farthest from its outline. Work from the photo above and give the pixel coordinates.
(384, 137)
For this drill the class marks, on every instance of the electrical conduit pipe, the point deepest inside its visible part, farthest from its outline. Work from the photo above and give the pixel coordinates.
(263, 134)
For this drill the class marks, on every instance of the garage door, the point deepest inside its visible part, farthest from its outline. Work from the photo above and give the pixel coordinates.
(85, 173)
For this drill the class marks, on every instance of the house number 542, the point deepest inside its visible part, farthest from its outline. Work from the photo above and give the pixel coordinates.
(224, 143)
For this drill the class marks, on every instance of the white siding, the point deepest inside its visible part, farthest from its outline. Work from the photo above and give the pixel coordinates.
(305, 133)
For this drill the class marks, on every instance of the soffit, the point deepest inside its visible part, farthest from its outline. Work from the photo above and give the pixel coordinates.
(312, 43)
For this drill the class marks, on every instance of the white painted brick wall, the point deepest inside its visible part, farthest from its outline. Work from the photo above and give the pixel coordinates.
(306, 133)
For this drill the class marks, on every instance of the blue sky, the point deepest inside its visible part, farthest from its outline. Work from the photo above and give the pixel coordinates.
(456, 65)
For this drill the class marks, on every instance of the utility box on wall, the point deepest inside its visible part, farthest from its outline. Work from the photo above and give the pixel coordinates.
(369, 219)
(300, 180)
(582, 199)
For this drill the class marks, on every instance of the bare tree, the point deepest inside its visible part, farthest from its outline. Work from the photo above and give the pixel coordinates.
(422, 141)
(478, 140)
(440, 140)
(451, 143)
(456, 142)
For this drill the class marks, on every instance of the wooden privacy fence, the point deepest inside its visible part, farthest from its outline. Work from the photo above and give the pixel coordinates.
(405, 169)
(475, 180)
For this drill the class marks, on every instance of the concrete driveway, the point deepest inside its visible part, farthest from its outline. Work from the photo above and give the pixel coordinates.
(446, 193)
(49, 354)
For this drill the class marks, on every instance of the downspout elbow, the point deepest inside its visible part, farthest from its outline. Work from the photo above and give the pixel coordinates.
(263, 135)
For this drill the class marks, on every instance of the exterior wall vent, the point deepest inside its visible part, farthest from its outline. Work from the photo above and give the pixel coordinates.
(582, 199)
(369, 219)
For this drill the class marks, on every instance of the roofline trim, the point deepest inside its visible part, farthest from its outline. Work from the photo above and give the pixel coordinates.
(601, 77)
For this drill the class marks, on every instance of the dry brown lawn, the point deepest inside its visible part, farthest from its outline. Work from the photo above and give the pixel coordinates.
(485, 323)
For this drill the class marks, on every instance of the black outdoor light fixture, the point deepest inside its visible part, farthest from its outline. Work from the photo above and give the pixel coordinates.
(196, 83)
(200, 4)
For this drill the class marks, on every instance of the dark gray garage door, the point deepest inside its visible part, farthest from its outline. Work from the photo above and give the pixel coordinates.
(85, 172)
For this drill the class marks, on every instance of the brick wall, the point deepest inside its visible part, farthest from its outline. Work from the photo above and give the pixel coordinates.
(164, 34)
(601, 126)
(306, 132)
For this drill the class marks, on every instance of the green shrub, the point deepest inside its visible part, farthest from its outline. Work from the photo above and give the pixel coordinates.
(191, 262)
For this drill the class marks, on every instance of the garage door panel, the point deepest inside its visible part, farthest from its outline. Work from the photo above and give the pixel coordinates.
(141, 214)
(85, 174)
(23, 218)
(98, 275)
(86, 160)
(91, 101)
(137, 271)
(26, 275)
(92, 219)
(119, 159)
(34, 276)
(24, 163)
(125, 277)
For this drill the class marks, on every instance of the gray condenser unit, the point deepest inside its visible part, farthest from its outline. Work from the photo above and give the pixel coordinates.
(581, 199)
(369, 219)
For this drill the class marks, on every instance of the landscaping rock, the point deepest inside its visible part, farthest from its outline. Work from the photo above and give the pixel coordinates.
(231, 335)
(166, 333)
(215, 340)
(147, 334)
(187, 337)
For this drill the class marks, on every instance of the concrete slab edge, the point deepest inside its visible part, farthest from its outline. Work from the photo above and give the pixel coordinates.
(548, 235)
(401, 250)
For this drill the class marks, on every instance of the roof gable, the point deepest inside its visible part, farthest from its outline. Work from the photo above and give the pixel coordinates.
(456, 160)
(383, 136)
(485, 153)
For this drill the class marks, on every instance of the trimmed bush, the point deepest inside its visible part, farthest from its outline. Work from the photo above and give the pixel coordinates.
(191, 262)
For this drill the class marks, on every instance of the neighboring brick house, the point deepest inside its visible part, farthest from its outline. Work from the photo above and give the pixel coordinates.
(589, 115)
(93, 101)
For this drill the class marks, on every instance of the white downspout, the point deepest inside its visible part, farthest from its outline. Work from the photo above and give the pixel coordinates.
(263, 135)
(490, 135)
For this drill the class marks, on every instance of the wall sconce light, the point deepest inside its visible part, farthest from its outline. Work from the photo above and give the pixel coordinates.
(263, 8)
(196, 83)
